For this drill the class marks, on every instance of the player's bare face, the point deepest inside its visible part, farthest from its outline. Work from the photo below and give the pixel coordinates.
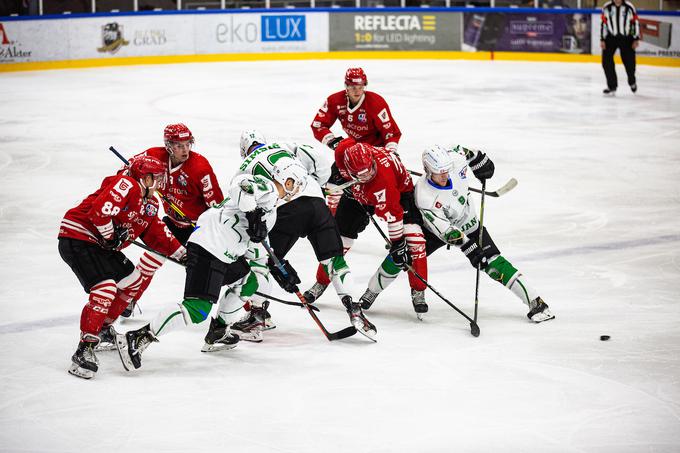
(179, 151)
(354, 92)
(441, 179)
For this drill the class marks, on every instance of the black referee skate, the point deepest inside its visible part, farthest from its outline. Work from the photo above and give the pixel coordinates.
(84, 361)
(539, 311)
(251, 327)
(218, 337)
(357, 318)
(367, 299)
(131, 346)
(609, 91)
(419, 304)
(313, 293)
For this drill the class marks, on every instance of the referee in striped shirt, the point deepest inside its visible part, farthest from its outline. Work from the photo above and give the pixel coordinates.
(620, 29)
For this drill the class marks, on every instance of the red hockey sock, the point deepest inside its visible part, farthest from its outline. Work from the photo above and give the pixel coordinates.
(95, 312)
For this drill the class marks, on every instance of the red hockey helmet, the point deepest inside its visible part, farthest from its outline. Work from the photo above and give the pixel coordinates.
(177, 133)
(355, 76)
(147, 165)
(360, 162)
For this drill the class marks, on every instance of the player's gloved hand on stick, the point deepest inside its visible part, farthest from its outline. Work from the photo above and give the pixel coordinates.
(336, 178)
(120, 235)
(332, 144)
(474, 254)
(400, 255)
(482, 166)
(257, 227)
(288, 280)
(454, 236)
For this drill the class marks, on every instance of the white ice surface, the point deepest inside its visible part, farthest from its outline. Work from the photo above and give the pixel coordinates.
(593, 224)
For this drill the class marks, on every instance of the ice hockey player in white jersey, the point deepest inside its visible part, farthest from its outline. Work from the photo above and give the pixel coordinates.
(450, 219)
(304, 214)
(216, 256)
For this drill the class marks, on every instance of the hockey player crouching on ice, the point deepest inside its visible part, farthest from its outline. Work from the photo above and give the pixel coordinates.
(442, 198)
(384, 187)
(304, 214)
(91, 236)
(216, 257)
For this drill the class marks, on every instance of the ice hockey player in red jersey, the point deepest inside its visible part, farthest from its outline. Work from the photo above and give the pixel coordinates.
(91, 236)
(384, 188)
(191, 186)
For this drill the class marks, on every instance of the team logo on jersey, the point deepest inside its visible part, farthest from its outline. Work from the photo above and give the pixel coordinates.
(361, 117)
(207, 184)
(151, 210)
(438, 205)
(123, 187)
(112, 38)
(463, 173)
(380, 196)
(384, 116)
(182, 180)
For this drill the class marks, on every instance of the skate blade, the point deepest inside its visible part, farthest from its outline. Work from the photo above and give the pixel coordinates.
(542, 317)
(266, 327)
(217, 347)
(83, 373)
(122, 346)
(105, 347)
(368, 335)
(420, 316)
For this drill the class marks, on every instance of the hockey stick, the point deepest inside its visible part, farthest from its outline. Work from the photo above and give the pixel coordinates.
(266, 296)
(502, 190)
(331, 336)
(474, 328)
(170, 203)
(479, 244)
(339, 189)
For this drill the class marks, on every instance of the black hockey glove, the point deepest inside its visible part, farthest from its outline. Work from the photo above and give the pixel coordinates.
(474, 254)
(120, 235)
(400, 255)
(336, 178)
(257, 227)
(332, 144)
(287, 280)
(482, 166)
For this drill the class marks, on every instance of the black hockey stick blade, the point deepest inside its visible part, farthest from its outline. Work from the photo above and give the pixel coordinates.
(344, 333)
(474, 329)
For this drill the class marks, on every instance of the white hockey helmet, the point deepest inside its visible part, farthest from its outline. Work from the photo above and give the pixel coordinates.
(248, 138)
(436, 160)
(286, 169)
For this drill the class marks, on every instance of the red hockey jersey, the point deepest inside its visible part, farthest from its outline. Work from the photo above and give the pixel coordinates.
(118, 201)
(384, 190)
(192, 186)
(370, 121)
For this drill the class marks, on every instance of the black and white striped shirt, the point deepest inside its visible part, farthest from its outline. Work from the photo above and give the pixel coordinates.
(619, 20)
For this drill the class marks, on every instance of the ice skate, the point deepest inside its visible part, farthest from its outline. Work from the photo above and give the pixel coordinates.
(84, 361)
(218, 337)
(359, 321)
(313, 293)
(633, 88)
(268, 323)
(107, 339)
(609, 92)
(131, 346)
(539, 311)
(251, 327)
(367, 299)
(129, 310)
(419, 304)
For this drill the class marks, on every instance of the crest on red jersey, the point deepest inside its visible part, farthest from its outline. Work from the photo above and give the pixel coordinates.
(361, 117)
(151, 210)
(380, 196)
(182, 180)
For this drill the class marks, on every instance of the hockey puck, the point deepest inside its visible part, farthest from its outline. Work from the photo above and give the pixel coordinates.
(604, 337)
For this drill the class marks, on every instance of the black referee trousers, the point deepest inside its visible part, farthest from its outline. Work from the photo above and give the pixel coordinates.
(625, 43)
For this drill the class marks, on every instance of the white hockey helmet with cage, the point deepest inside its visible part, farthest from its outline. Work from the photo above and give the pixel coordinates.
(436, 160)
(286, 169)
(250, 137)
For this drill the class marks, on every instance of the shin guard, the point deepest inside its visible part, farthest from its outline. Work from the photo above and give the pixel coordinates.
(97, 309)
(415, 239)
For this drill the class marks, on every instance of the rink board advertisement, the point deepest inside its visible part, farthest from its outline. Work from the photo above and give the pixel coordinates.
(522, 32)
(660, 36)
(395, 31)
(148, 35)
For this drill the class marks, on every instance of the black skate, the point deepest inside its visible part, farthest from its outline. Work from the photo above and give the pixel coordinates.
(129, 310)
(268, 323)
(358, 320)
(609, 91)
(131, 346)
(313, 293)
(251, 327)
(419, 304)
(218, 337)
(84, 361)
(107, 339)
(367, 299)
(539, 311)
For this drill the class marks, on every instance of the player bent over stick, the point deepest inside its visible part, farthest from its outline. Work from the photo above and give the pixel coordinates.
(216, 257)
(91, 236)
(442, 197)
(304, 214)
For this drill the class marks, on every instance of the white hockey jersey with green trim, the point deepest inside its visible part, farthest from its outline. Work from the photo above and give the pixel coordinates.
(221, 230)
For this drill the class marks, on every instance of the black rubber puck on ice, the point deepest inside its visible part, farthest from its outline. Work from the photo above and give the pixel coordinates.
(604, 337)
